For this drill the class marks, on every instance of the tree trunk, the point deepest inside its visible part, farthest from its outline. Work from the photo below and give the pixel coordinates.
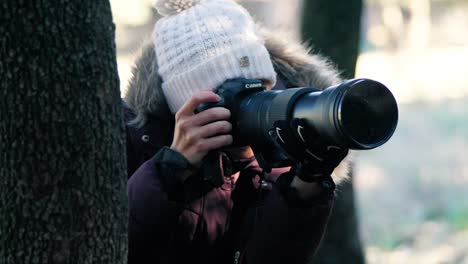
(62, 149)
(332, 27)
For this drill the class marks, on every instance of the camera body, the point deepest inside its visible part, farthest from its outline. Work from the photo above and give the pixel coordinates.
(281, 125)
(231, 92)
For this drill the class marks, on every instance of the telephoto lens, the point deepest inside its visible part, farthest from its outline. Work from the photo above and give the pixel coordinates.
(356, 114)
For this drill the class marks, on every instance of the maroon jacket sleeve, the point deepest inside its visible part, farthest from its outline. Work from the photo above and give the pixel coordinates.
(153, 213)
(291, 229)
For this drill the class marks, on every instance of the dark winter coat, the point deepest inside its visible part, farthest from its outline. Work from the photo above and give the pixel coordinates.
(237, 220)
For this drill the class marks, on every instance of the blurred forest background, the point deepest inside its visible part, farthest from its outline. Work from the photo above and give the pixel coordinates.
(411, 193)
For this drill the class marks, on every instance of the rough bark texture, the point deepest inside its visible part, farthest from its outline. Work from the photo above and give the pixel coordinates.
(62, 156)
(332, 27)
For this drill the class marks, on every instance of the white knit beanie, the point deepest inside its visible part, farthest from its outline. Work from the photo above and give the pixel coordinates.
(200, 44)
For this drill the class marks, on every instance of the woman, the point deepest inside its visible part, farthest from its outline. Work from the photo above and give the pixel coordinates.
(179, 209)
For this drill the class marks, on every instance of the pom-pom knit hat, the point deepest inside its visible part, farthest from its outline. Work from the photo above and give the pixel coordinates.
(199, 44)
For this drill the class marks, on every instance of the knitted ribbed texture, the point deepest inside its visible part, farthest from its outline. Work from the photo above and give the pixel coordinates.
(202, 46)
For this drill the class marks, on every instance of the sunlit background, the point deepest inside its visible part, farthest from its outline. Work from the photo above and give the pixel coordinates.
(412, 193)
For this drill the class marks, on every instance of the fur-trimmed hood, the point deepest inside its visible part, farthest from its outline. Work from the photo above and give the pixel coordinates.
(294, 64)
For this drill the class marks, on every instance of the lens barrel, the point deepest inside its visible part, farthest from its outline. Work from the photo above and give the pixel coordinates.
(357, 114)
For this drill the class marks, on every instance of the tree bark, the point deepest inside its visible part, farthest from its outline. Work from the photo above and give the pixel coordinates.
(332, 27)
(62, 145)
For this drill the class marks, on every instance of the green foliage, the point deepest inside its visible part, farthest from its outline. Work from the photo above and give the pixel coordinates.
(458, 218)
(455, 216)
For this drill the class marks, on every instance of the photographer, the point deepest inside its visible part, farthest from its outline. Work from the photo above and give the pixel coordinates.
(179, 210)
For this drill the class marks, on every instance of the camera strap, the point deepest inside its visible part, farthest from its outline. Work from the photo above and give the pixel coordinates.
(212, 168)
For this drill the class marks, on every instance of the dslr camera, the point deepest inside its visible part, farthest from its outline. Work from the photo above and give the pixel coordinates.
(284, 125)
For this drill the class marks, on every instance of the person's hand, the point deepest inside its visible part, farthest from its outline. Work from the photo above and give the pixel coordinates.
(320, 163)
(196, 134)
(313, 174)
